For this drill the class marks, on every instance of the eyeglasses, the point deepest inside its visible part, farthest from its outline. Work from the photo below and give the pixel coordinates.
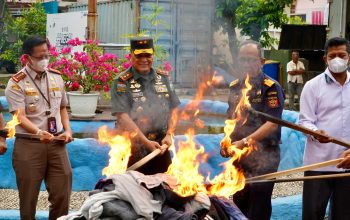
(248, 60)
(46, 56)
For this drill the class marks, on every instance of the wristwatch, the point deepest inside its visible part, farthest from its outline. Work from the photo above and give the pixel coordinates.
(245, 142)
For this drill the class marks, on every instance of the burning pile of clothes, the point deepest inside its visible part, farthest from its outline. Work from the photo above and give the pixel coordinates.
(133, 195)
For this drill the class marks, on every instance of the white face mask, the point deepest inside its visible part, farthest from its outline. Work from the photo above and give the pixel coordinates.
(338, 65)
(41, 65)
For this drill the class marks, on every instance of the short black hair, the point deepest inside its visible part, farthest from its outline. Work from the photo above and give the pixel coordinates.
(31, 42)
(336, 41)
(295, 51)
(258, 45)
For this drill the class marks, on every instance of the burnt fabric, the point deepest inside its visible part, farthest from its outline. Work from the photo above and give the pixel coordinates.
(229, 208)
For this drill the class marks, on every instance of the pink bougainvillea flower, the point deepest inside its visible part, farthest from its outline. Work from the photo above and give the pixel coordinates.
(106, 88)
(126, 65)
(66, 50)
(75, 86)
(128, 56)
(23, 60)
(167, 66)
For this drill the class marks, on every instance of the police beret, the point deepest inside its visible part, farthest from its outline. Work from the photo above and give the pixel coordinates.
(141, 45)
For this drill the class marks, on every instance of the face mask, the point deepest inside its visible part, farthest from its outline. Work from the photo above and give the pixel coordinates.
(337, 65)
(41, 65)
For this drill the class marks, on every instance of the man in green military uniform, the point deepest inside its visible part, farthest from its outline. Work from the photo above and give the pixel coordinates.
(142, 101)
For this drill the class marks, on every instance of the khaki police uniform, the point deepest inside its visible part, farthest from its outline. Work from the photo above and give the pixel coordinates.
(148, 99)
(34, 161)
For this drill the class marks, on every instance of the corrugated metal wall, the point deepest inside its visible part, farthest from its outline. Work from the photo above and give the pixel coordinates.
(115, 19)
(188, 38)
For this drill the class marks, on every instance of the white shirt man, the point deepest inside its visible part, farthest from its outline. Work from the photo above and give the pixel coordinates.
(295, 69)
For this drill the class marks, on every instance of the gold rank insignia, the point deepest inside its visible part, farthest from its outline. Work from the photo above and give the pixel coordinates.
(18, 76)
(15, 87)
(268, 82)
(137, 85)
(126, 76)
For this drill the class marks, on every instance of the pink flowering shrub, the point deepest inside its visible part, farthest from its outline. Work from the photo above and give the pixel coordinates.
(89, 70)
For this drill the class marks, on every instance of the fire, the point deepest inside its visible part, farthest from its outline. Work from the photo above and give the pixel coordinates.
(230, 124)
(185, 167)
(216, 80)
(119, 153)
(11, 125)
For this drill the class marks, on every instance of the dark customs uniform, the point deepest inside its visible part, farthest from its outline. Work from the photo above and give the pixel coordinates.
(148, 99)
(266, 96)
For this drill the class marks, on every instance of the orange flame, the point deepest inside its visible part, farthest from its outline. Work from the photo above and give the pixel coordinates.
(119, 153)
(216, 80)
(230, 124)
(11, 125)
(185, 167)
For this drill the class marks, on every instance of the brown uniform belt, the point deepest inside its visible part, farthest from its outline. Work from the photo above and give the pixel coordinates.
(29, 136)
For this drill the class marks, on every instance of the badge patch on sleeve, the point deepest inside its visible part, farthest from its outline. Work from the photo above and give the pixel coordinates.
(272, 102)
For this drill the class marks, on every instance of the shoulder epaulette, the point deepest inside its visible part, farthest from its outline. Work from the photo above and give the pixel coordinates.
(125, 76)
(234, 82)
(19, 76)
(55, 71)
(162, 72)
(268, 82)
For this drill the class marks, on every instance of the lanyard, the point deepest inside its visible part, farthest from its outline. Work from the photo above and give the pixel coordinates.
(42, 94)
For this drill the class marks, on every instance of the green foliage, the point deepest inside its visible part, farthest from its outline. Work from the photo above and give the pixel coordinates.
(254, 17)
(160, 53)
(296, 20)
(32, 22)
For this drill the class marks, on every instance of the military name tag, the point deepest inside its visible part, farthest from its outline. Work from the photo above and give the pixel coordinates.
(121, 87)
(256, 100)
(137, 94)
(57, 89)
(161, 88)
(31, 93)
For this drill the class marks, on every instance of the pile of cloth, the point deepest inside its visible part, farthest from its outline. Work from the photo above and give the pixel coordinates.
(135, 196)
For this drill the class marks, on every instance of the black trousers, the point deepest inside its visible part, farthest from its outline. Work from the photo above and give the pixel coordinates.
(317, 193)
(255, 201)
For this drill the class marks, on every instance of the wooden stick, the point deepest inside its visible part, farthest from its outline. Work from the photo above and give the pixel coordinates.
(147, 158)
(298, 128)
(295, 170)
(305, 178)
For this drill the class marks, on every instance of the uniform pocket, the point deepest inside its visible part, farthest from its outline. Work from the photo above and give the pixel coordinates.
(56, 97)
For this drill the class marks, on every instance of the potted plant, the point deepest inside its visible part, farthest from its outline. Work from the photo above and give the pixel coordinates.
(85, 73)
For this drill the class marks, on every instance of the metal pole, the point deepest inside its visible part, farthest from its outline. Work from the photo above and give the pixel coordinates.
(92, 20)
